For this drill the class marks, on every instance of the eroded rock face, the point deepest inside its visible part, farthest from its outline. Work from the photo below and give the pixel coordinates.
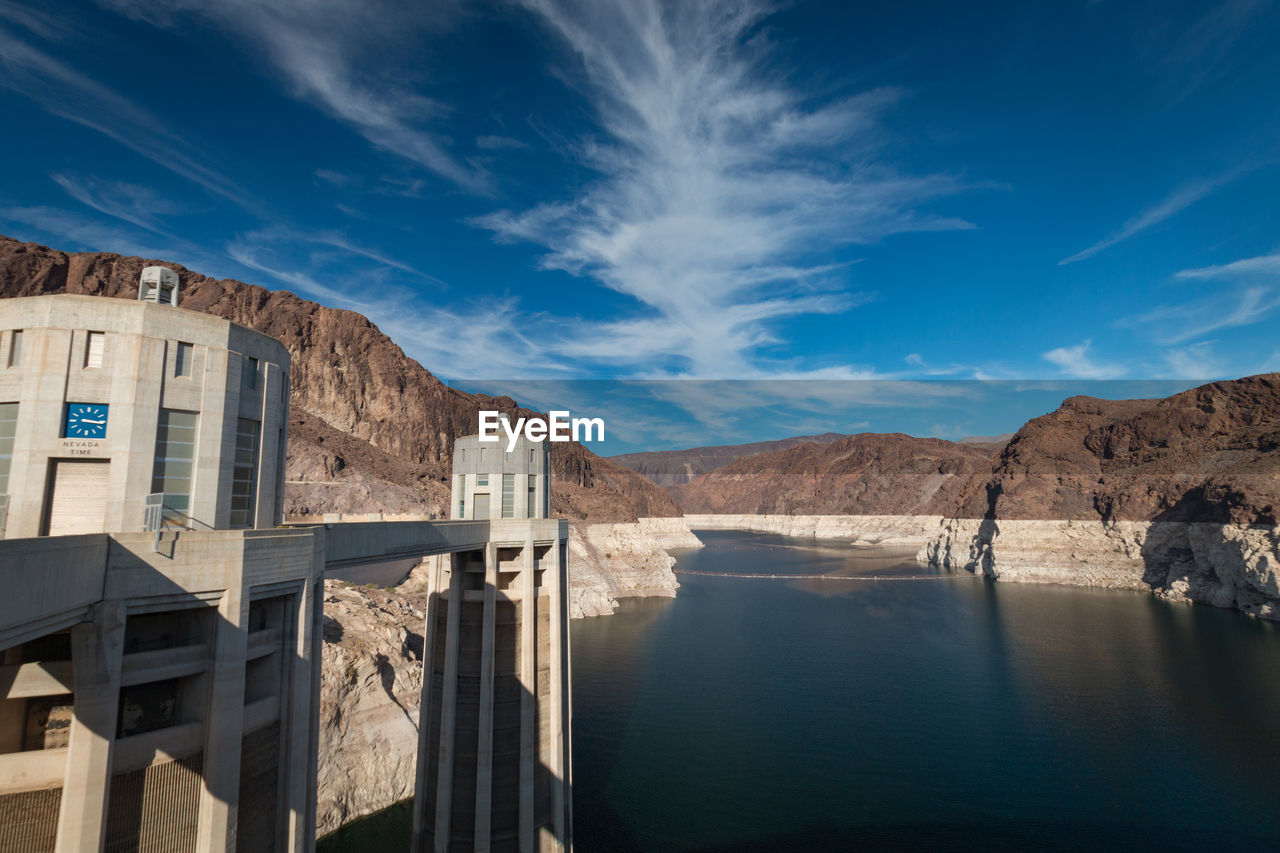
(348, 376)
(1211, 454)
(674, 467)
(1226, 565)
(906, 530)
(624, 560)
(371, 687)
(865, 474)
(1177, 496)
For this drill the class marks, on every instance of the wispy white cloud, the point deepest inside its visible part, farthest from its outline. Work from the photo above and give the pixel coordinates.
(918, 364)
(65, 92)
(1077, 362)
(499, 143)
(1243, 293)
(79, 230)
(1210, 49)
(1176, 202)
(75, 231)
(338, 240)
(716, 180)
(35, 21)
(327, 51)
(137, 205)
(1176, 324)
(342, 180)
(1196, 361)
(1263, 265)
(453, 340)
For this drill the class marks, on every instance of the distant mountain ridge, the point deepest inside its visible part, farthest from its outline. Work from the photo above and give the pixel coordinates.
(371, 429)
(673, 467)
(864, 474)
(1210, 454)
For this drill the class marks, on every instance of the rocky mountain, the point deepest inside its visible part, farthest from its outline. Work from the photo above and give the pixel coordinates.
(673, 467)
(1211, 454)
(370, 693)
(995, 441)
(864, 474)
(371, 429)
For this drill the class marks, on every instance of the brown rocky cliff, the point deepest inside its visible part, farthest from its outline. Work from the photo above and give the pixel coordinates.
(350, 377)
(674, 467)
(1211, 454)
(865, 474)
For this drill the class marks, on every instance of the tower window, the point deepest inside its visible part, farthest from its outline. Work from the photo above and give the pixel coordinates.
(253, 374)
(533, 495)
(182, 360)
(8, 429)
(508, 495)
(245, 474)
(94, 346)
(175, 455)
(15, 348)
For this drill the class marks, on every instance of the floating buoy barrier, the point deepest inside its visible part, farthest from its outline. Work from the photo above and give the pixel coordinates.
(761, 575)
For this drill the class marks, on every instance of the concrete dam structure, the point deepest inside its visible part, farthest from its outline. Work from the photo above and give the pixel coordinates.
(160, 636)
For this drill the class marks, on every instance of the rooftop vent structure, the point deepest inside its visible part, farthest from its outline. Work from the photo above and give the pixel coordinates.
(158, 285)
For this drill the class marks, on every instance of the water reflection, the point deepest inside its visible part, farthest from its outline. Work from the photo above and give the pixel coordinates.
(953, 713)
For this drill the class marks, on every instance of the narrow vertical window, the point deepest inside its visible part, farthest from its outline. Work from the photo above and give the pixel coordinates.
(8, 429)
(94, 346)
(508, 495)
(15, 348)
(533, 495)
(244, 475)
(182, 360)
(174, 459)
(462, 496)
(253, 374)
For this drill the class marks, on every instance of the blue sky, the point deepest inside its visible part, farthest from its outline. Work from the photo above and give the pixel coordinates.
(620, 189)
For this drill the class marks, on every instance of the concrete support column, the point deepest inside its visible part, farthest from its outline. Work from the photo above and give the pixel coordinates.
(425, 720)
(528, 694)
(566, 736)
(448, 710)
(301, 707)
(484, 738)
(224, 723)
(97, 649)
(313, 742)
(556, 577)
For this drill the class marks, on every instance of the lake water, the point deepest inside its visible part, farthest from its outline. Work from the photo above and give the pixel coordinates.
(943, 713)
(920, 711)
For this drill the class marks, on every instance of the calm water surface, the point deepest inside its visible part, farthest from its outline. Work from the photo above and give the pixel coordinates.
(942, 713)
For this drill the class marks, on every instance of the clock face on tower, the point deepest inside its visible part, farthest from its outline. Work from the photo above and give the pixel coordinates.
(86, 420)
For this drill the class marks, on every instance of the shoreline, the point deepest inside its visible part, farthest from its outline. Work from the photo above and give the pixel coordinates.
(1224, 565)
